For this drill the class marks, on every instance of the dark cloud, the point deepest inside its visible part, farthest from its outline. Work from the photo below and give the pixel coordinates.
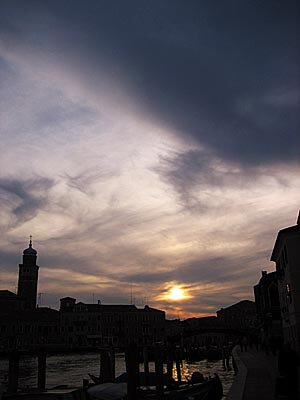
(199, 271)
(83, 180)
(8, 260)
(194, 171)
(224, 74)
(198, 176)
(25, 197)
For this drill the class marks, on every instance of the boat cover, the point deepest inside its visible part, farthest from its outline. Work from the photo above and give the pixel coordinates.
(108, 391)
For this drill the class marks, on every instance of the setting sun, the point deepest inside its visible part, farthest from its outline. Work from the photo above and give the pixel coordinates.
(176, 293)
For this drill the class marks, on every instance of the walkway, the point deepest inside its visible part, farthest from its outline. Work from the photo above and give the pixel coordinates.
(256, 377)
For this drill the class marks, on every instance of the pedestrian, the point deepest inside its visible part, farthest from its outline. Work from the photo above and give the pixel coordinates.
(241, 344)
(245, 343)
(226, 353)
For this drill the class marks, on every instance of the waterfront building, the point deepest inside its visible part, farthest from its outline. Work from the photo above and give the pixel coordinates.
(286, 255)
(26, 329)
(240, 316)
(203, 331)
(267, 306)
(108, 324)
(75, 325)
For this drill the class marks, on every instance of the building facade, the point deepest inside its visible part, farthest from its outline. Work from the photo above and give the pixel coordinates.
(109, 324)
(286, 255)
(268, 306)
(23, 325)
(240, 316)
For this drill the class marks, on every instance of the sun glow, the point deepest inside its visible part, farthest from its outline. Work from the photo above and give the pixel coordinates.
(176, 293)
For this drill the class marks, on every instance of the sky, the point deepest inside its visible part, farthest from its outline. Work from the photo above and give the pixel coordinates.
(147, 145)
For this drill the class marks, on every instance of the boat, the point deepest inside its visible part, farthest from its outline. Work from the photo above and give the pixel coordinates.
(209, 389)
(143, 379)
(148, 379)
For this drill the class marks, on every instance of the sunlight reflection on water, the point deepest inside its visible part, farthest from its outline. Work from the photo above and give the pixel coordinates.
(71, 369)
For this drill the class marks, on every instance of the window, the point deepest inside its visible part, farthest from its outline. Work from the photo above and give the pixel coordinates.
(285, 255)
(288, 293)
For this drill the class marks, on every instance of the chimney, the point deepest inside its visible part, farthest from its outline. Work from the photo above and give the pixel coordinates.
(298, 220)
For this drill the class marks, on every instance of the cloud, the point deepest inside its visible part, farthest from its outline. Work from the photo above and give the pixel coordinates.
(84, 180)
(148, 145)
(200, 177)
(226, 76)
(24, 198)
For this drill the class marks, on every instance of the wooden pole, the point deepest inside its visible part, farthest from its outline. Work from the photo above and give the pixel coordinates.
(169, 368)
(159, 372)
(132, 369)
(178, 366)
(146, 364)
(112, 364)
(42, 357)
(105, 366)
(13, 371)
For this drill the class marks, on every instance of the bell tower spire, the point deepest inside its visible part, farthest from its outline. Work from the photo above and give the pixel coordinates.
(28, 277)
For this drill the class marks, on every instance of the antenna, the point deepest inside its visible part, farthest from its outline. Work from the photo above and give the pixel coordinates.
(93, 298)
(40, 298)
(131, 293)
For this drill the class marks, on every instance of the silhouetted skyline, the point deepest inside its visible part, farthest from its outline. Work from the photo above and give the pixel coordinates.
(147, 146)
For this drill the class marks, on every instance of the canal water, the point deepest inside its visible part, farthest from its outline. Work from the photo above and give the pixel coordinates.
(71, 369)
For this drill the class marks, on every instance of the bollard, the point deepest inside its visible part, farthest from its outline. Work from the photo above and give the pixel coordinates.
(112, 364)
(178, 366)
(42, 357)
(169, 368)
(146, 365)
(132, 369)
(13, 371)
(105, 367)
(159, 372)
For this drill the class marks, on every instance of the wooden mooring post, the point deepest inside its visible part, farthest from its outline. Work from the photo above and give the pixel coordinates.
(112, 357)
(159, 372)
(146, 364)
(132, 369)
(42, 361)
(169, 368)
(13, 371)
(178, 364)
(107, 369)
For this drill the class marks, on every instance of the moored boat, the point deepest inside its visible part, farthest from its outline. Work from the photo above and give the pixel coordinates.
(210, 389)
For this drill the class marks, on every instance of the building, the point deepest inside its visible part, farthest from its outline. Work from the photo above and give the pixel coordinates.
(109, 324)
(28, 278)
(267, 305)
(11, 308)
(26, 329)
(286, 255)
(240, 316)
(23, 325)
(203, 331)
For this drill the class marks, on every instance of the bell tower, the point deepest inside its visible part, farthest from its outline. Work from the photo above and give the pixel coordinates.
(28, 277)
